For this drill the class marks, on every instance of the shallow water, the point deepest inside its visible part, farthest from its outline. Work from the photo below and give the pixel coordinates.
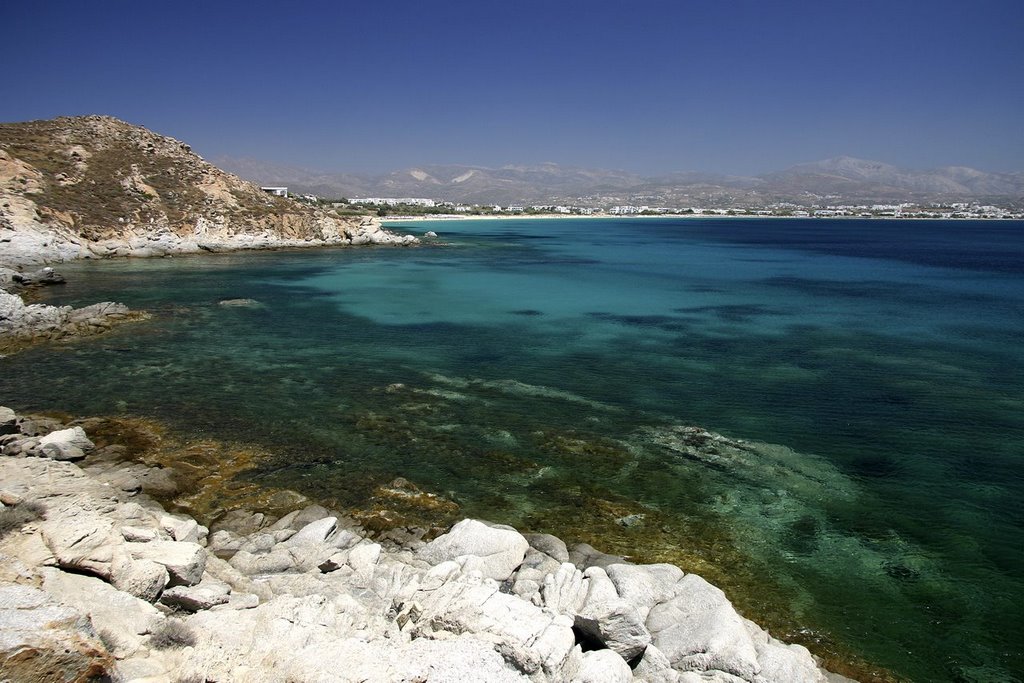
(545, 367)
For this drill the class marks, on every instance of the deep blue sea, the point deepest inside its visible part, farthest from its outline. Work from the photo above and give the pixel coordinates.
(536, 372)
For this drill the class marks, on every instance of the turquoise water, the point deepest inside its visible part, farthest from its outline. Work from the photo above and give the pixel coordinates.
(545, 364)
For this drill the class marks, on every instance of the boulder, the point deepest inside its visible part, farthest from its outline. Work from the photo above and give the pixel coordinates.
(363, 560)
(314, 532)
(654, 667)
(584, 555)
(43, 640)
(8, 421)
(240, 522)
(551, 546)
(43, 276)
(782, 662)
(65, 444)
(82, 542)
(182, 528)
(565, 591)
(122, 620)
(493, 550)
(698, 630)
(645, 585)
(343, 539)
(208, 593)
(603, 666)
(144, 579)
(139, 534)
(535, 641)
(617, 625)
(276, 562)
(610, 620)
(184, 561)
(37, 425)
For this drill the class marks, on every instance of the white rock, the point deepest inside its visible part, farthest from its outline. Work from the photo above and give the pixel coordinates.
(782, 662)
(603, 666)
(138, 534)
(314, 532)
(496, 551)
(363, 559)
(206, 594)
(41, 639)
(535, 641)
(121, 619)
(8, 420)
(184, 561)
(183, 529)
(82, 542)
(550, 545)
(65, 444)
(645, 585)
(439, 575)
(699, 630)
(278, 561)
(654, 667)
(616, 624)
(601, 587)
(144, 579)
(565, 591)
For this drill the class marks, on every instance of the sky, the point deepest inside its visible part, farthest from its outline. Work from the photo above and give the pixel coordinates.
(648, 86)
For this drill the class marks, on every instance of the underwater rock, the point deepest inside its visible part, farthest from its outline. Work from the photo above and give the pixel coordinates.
(242, 303)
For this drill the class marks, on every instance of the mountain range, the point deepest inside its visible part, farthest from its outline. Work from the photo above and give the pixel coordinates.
(837, 180)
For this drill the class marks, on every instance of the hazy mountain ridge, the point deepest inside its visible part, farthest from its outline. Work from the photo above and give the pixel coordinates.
(844, 179)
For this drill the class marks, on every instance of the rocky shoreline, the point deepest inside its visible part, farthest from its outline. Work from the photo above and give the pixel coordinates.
(99, 582)
(24, 324)
(32, 244)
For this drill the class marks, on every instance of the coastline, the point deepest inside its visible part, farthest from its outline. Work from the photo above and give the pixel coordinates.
(519, 604)
(461, 217)
(40, 246)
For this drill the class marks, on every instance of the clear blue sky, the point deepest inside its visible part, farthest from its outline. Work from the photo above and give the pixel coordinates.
(738, 86)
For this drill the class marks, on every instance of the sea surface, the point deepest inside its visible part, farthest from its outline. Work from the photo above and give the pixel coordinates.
(541, 373)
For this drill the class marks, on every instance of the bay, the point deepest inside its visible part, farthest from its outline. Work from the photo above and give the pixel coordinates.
(865, 375)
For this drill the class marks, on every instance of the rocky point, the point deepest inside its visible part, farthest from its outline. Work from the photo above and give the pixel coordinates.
(99, 582)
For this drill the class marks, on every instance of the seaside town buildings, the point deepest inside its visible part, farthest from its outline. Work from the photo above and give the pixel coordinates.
(425, 206)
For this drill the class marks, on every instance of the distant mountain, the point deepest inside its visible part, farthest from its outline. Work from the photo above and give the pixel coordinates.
(470, 184)
(842, 179)
(847, 176)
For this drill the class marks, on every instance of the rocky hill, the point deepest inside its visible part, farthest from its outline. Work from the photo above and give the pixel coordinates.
(94, 186)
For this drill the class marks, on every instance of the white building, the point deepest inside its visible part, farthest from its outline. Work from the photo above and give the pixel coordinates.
(394, 201)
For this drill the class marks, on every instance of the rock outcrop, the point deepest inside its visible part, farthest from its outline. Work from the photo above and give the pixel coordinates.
(95, 187)
(100, 581)
(22, 324)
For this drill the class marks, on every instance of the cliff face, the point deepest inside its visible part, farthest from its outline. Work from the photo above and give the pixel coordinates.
(94, 186)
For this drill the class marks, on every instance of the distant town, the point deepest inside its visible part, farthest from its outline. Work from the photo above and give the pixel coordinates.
(417, 207)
